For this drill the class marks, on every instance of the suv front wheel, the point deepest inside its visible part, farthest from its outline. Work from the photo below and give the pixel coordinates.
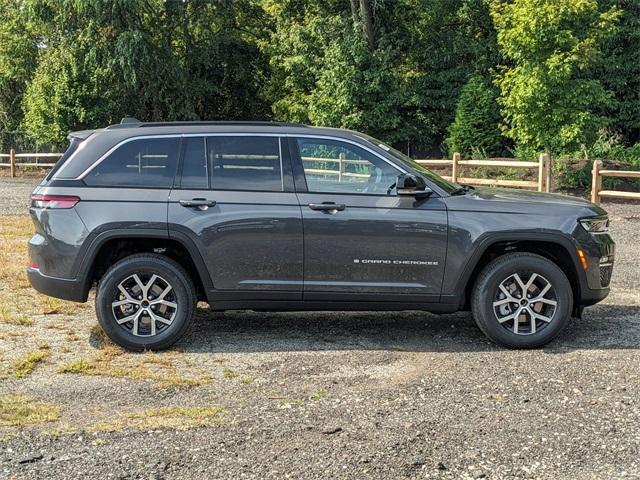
(522, 300)
(145, 301)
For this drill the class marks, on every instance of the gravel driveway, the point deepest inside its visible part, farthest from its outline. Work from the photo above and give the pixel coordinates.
(355, 395)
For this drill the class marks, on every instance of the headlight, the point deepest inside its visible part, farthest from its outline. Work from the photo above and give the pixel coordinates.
(595, 225)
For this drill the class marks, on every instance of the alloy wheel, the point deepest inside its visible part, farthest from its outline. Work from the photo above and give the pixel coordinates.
(525, 304)
(144, 304)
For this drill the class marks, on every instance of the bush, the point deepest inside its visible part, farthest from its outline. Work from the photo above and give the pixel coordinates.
(573, 171)
(475, 132)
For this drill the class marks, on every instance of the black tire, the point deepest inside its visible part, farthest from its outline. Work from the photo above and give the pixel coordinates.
(487, 290)
(183, 294)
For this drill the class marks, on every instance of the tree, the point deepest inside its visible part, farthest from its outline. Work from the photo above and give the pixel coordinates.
(476, 128)
(619, 73)
(18, 47)
(155, 60)
(548, 99)
(391, 69)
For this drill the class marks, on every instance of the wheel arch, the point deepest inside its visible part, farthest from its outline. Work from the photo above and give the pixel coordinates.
(557, 248)
(113, 245)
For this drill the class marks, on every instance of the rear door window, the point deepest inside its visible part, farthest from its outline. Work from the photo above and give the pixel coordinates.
(145, 162)
(245, 163)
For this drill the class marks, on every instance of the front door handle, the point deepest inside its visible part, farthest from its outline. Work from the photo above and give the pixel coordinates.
(201, 203)
(327, 206)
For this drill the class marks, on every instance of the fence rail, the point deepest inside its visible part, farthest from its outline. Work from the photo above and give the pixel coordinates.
(543, 165)
(13, 164)
(596, 183)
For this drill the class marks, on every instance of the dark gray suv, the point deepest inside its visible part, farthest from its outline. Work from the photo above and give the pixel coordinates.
(271, 216)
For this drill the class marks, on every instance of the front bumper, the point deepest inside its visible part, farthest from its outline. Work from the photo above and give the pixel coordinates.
(599, 251)
(65, 289)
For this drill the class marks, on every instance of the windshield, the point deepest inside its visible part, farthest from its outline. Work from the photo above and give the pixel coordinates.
(446, 185)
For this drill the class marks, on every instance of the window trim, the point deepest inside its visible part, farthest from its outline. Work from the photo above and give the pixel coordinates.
(237, 134)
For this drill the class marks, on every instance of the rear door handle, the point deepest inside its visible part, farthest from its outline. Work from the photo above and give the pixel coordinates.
(201, 203)
(327, 206)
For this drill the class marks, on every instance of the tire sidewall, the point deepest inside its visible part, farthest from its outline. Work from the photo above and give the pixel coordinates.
(108, 288)
(524, 265)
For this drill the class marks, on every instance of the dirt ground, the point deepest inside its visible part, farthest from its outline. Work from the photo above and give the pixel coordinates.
(315, 395)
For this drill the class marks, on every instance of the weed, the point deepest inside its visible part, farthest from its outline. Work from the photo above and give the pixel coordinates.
(179, 418)
(8, 317)
(20, 410)
(28, 362)
(318, 395)
(228, 373)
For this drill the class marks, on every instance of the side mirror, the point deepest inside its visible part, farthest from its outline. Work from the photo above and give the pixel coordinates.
(410, 184)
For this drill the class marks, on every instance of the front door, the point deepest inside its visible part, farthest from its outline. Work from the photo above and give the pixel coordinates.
(362, 242)
(235, 200)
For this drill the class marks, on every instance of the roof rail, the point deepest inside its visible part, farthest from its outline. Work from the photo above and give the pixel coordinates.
(130, 122)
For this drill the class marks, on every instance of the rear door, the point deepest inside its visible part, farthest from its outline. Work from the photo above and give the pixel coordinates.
(363, 242)
(235, 201)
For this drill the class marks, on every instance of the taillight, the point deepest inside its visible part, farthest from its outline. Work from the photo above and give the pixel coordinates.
(33, 265)
(53, 201)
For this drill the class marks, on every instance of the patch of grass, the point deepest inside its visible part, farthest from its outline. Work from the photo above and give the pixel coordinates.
(177, 418)
(20, 410)
(111, 361)
(11, 318)
(28, 362)
(42, 345)
(76, 366)
(228, 373)
(318, 395)
(55, 306)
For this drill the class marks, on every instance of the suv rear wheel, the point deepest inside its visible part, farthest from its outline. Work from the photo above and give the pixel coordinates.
(145, 301)
(522, 300)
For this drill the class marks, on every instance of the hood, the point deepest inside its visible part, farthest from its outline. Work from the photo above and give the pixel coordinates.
(509, 200)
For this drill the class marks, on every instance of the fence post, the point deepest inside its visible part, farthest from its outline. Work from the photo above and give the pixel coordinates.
(12, 162)
(454, 167)
(596, 182)
(541, 167)
(547, 181)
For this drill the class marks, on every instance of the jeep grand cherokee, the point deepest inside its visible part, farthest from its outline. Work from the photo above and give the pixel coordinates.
(273, 216)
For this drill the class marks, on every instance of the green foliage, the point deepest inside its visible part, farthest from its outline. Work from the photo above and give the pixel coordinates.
(573, 170)
(17, 61)
(402, 90)
(475, 132)
(619, 72)
(549, 101)
(415, 73)
(156, 60)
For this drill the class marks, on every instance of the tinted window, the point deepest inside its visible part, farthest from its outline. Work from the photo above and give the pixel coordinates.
(337, 167)
(245, 163)
(194, 168)
(146, 162)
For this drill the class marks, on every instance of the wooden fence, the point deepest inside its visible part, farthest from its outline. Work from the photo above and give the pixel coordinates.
(543, 166)
(596, 183)
(13, 160)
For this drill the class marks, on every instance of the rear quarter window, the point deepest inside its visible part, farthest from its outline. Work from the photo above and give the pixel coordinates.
(148, 162)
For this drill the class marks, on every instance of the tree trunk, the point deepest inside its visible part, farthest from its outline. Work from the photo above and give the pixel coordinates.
(367, 22)
(354, 11)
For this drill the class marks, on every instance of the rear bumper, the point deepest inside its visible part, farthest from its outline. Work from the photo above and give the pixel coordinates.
(62, 288)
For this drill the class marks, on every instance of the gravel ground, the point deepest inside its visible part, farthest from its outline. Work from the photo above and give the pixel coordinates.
(358, 395)
(14, 194)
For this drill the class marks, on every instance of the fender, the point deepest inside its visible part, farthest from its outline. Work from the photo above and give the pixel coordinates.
(489, 239)
(87, 257)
